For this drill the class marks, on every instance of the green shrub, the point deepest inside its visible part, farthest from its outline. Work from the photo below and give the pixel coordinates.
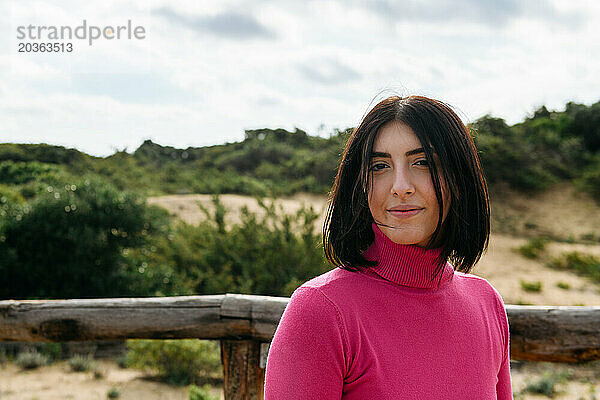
(9, 195)
(583, 264)
(533, 248)
(122, 361)
(42, 152)
(563, 285)
(52, 350)
(68, 242)
(113, 393)
(589, 237)
(31, 360)
(590, 180)
(201, 393)
(178, 362)
(521, 302)
(269, 254)
(22, 172)
(546, 385)
(80, 363)
(531, 286)
(509, 155)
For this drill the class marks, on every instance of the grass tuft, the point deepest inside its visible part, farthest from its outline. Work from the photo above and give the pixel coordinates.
(546, 384)
(533, 248)
(583, 264)
(80, 363)
(113, 393)
(31, 360)
(201, 393)
(535, 286)
(178, 362)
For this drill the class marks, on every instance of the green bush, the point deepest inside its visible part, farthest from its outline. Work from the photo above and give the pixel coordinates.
(81, 363)
(533, 248)
(589, 181)
(42, 152)
(51, 350)
(563, 285)
(178, 362)
(269, 254)
(508, 155)
(31, 360)
(531, 286)
(521, 302)
(583, 264)
(546, 385)
(122, 361)
(201, 393)
(113, 393)
(69, 241)
(22, 172)
(588, 237)
(9, 195)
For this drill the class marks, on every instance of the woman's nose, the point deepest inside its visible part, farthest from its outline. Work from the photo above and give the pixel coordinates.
(402, 185)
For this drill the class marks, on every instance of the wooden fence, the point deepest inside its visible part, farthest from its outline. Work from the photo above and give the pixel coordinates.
(245, 324)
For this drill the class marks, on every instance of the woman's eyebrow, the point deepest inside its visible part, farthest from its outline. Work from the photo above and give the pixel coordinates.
(415, 151)
(387, 155)
(380, 154)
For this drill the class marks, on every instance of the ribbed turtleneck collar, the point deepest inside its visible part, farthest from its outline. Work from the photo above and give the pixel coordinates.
(406, 265)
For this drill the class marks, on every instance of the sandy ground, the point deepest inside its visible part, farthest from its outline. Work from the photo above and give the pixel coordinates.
(505, 268)
(57, 382)
(561, 212)
(186, 206)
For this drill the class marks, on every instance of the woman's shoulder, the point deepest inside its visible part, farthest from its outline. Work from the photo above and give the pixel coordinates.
(472, 280)
(333, 278)
(333, 286)
(478, 286)
(319, 303)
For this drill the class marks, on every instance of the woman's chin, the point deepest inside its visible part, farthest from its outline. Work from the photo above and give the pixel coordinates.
(405, 236)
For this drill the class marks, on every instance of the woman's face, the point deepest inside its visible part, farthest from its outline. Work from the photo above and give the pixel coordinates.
(402, 196)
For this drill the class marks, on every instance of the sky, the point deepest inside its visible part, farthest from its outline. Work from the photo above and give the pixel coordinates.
(202, 72)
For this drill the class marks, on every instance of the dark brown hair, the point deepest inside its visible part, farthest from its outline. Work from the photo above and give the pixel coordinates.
(463, 235)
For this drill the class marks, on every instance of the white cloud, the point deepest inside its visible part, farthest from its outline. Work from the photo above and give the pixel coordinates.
(322, 62)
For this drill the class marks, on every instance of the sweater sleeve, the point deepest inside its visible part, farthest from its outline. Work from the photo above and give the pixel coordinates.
(504, 385)
(307, 355)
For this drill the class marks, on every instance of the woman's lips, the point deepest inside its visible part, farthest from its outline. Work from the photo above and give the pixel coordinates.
(404, 213)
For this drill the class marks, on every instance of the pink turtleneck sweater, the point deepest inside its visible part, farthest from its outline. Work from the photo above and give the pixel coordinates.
(391, 332)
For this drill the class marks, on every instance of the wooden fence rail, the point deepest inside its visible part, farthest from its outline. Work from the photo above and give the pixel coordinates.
(245, 324)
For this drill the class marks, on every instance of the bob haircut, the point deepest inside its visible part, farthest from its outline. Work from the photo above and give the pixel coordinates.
(463, 235)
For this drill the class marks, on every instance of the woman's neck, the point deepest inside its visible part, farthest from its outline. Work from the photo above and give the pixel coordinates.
(407, 265)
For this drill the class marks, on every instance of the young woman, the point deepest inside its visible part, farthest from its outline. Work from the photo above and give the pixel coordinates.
(401, 318)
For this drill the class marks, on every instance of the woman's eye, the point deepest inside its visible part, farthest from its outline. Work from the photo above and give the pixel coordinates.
(423, 163)
(378, 166)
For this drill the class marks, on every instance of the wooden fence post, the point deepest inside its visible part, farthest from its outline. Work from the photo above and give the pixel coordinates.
(243, 369)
